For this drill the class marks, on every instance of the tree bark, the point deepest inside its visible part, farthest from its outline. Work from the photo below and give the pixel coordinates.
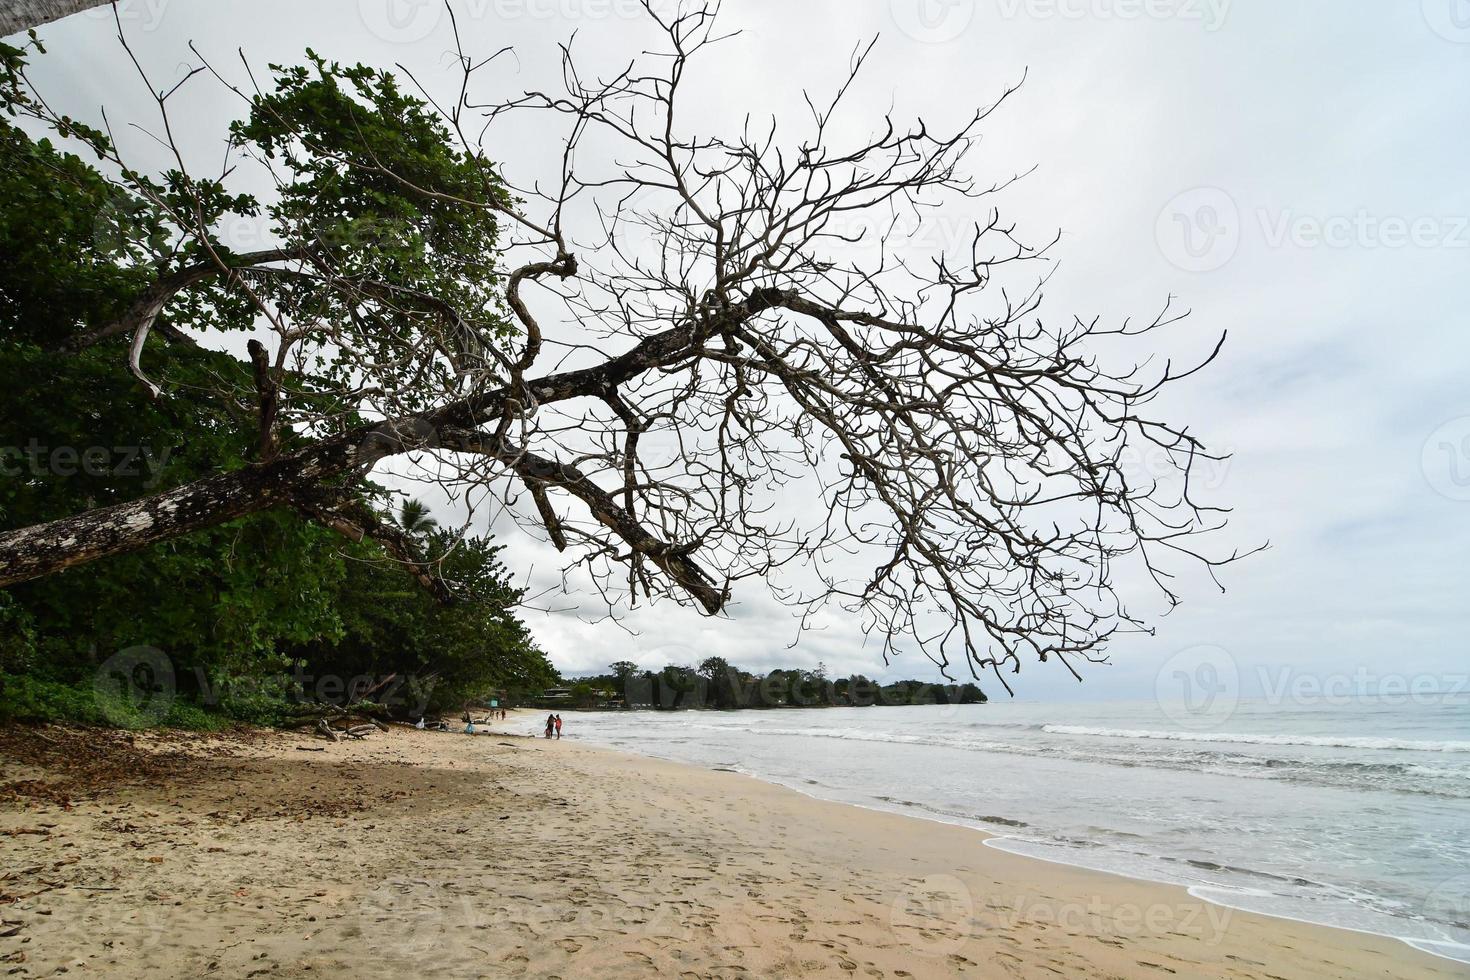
(295, 480)
(55, 546)
(20, 15)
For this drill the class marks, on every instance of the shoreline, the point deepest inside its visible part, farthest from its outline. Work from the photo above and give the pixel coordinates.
(509, 856)
(997, 840)
(1213, 894)
(1064, 800)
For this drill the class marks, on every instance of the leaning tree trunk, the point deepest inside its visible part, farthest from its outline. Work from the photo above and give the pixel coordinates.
(19, 15)
(31, 552)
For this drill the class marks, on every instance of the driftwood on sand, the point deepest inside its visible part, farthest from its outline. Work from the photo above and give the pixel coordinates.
(368, 717)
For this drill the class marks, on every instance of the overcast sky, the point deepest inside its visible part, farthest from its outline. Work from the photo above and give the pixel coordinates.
(1293, 172)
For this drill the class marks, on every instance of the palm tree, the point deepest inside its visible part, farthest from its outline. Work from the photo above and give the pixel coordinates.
(415, 521)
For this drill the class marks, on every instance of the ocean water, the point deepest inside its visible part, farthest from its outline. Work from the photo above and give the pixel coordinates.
(1349, 814)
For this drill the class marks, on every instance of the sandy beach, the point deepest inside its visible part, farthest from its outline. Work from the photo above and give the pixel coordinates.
(176, 855)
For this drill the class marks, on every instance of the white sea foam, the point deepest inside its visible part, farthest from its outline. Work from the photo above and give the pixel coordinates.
(1324, 741)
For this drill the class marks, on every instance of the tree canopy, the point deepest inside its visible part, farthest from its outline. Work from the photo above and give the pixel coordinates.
(243, 608)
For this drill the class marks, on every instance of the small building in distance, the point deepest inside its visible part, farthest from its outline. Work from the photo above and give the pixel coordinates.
(581, 695)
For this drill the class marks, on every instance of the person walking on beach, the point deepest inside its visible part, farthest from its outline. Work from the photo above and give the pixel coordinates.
(558, 726)
(550, 724)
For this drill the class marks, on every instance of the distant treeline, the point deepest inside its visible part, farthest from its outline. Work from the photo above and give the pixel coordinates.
(718, 684)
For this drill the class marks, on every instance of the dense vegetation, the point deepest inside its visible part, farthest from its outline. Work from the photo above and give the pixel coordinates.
(252, 615)
(716, 683)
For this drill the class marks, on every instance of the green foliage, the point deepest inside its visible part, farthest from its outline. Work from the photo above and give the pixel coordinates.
(454, 654)
(378, 192)
(414, 520)
(252, 614)
(34, 699)
(26, 698)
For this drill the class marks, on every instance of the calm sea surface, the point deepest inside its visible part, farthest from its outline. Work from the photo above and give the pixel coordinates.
(1354, 814)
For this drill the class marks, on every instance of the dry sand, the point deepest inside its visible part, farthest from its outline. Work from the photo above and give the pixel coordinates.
(495, 856)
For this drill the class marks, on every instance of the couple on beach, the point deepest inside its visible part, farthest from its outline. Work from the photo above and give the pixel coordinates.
(553, 724)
